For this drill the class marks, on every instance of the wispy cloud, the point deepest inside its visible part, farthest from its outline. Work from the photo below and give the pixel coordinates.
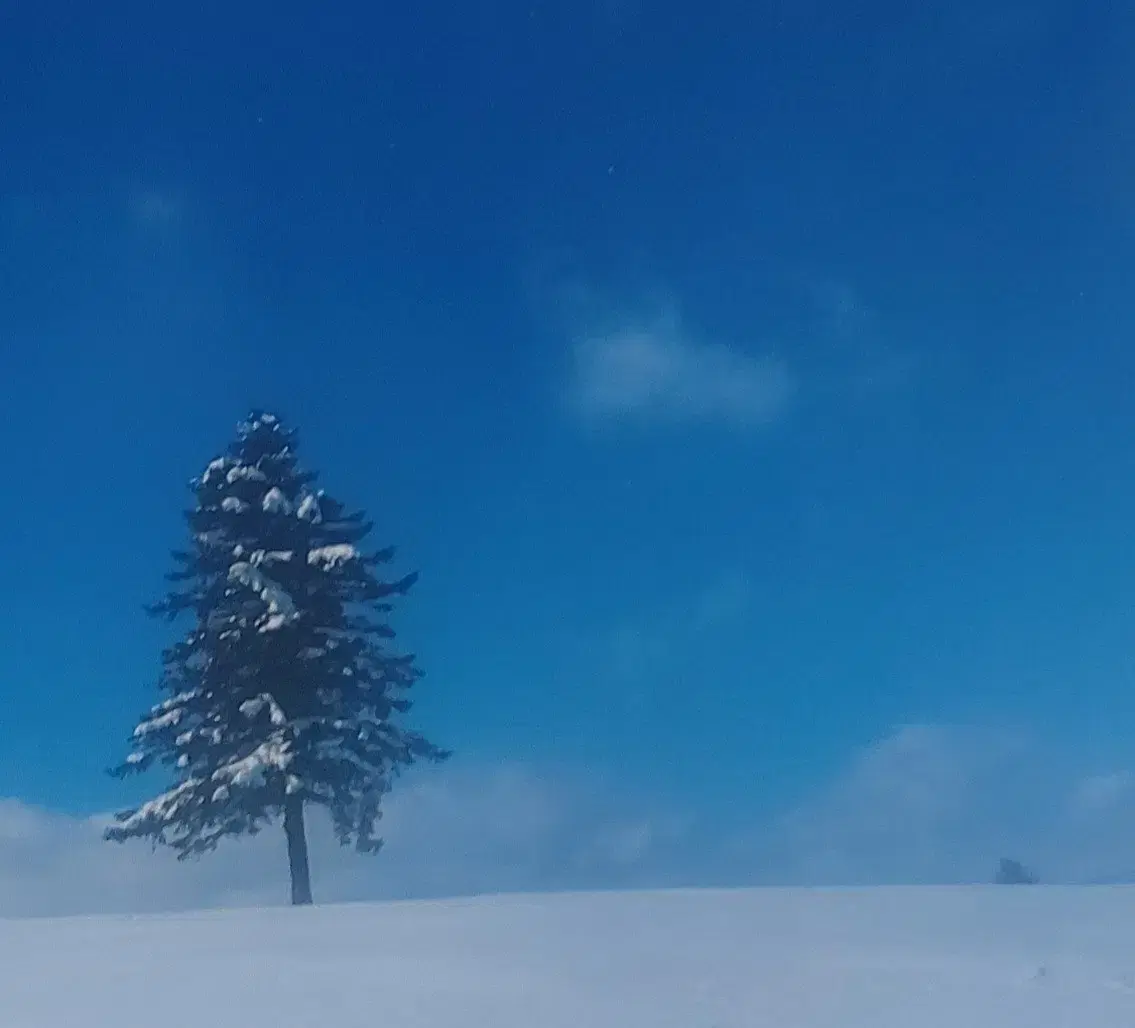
(927, 803)
(940, 804)
(662, 374)
(1103, 793)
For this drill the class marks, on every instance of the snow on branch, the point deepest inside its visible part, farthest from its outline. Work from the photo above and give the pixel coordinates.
(161, 809)
(262, 420)
(281, 609)
(330, 557)
(309, 509)
(164, 717)
(180, 700)
(159, 722)
(273, 755)
(264, 558)
(215, 467)
(249, 472)
(252, 708)
(275, 502)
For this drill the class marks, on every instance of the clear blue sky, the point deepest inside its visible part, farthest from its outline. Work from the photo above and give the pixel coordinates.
(744, 379)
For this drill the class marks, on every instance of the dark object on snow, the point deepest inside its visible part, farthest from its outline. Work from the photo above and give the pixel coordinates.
(283, 694)
(1013, 872)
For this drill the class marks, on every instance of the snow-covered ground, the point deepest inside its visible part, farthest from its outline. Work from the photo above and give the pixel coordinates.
(869, 958)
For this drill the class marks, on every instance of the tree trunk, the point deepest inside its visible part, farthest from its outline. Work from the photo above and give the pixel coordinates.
(297, 851)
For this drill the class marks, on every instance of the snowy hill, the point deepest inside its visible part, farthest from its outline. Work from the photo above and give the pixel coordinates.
(1031, 957)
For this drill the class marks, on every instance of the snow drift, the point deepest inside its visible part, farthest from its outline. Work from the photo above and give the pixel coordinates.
(872, 958)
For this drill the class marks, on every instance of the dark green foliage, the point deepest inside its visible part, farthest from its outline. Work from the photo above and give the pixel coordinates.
(285, 690)
(1012, 872)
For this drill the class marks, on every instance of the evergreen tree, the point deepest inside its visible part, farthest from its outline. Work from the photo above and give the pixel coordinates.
(283, 693)
(1013, 872)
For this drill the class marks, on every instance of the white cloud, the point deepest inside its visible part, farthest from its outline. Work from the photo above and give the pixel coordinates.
(920, 805)
(1102, 793)
(447, 832)
(936, 803)
(638, 362)
(661, 374)
(927, 803)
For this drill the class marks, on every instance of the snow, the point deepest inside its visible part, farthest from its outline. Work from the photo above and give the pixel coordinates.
(308, 509)
(276, 502)
(156, 724)
(252, 708)
(281, 609)
(163, 808)
(234, 504)
(330, 557)
(263, 558)
(214, 467)
(250, 425)
(994, 957)
(178, 700)
(273, 755)
(249, 472)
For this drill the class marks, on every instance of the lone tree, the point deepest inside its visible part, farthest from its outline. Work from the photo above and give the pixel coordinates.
(284, 692)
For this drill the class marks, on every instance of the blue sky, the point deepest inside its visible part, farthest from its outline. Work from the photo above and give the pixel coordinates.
(747, 381)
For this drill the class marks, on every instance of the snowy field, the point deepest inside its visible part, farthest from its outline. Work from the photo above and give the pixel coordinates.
(872, 958)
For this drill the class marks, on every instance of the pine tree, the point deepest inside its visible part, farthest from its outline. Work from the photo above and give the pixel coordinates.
(283, 694)
(1013, 872)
